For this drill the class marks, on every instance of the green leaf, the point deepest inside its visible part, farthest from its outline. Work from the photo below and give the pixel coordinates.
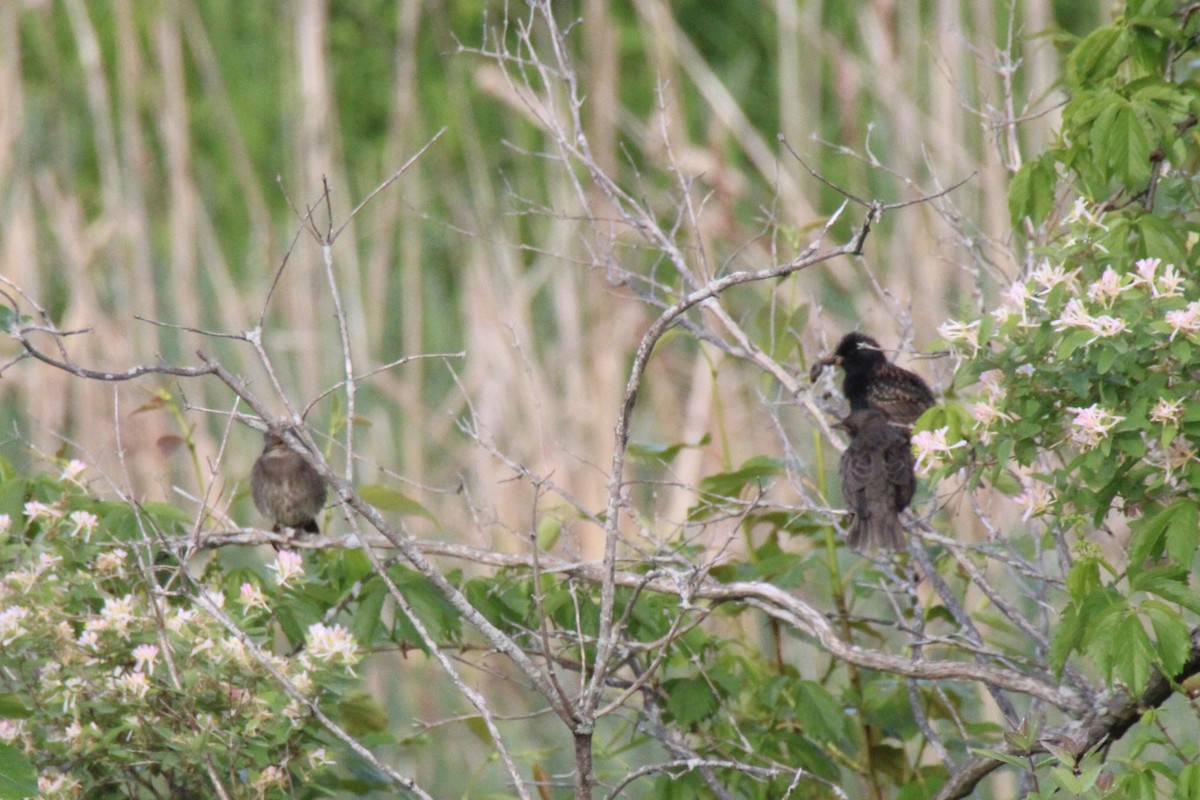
(362, 713)
(386, 498)
(1020, 762)
(1173, 529)
(1096, 57)
(18, 778)
(661, 452)
(730, 484)
(824, 717)
(1172, 639)
(548, 530)
(1031, 193)
(689, 699)
(15, 705)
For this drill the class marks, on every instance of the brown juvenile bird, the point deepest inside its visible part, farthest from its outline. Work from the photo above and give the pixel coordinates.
(286, 488)
(874, 382)
(877, 480)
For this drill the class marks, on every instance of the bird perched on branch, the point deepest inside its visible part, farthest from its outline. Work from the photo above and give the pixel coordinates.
(874, 382)
(286, 488)
(877, 479)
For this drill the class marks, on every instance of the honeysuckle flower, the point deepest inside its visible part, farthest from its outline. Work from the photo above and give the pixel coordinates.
(72, 470)
(1035, 498)
(287, 565)
(992, 381)
(1081, 213)
(132, 684)
(1167, 412)
(1108, 288)
(1170, 283)
(931, 446)
(269, 778)
(250, 596)
(117, 612)
(1047, 276)
(331, 643)
(11, 729)
(5, 523)
(10, 624)
(1146, 269)
(35, 509)
(144, 656)
(1179, 454)
(1184, 319)
(111, 561)
(1092, 424)
(968, 332)
(85, 522)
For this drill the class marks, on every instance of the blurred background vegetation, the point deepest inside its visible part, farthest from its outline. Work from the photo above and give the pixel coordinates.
(154, 156)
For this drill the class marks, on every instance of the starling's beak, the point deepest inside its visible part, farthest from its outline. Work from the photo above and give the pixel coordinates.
(813, 373)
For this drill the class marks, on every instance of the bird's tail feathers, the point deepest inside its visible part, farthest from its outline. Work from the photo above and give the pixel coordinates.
(880, 532)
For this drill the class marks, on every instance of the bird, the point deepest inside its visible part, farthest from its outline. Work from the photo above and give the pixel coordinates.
(877, 479)
(286, 488)
(874, 382)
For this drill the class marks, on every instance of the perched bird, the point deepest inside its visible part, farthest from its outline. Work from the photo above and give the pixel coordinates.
(874, 382)
(286, 488)
(877, 479)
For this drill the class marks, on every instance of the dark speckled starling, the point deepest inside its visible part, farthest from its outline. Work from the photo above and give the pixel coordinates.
(874, 382)
(286, 488)
(877, 480)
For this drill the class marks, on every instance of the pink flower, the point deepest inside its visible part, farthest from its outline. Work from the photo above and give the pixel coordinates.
(1181, 319)
(931, 446)
(1092, 424)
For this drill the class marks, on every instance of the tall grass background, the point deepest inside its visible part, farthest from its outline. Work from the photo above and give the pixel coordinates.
(155, 158)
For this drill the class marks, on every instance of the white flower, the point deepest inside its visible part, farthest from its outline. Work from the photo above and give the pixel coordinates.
(967, 332)
(269, 778)
(144, 656)
(1092, 424)
(85, 522)
(132, 684)
(72, 470)
(10, 624)
(1047, 276)
(112, 561)
(1107, 288)
(287, 565)
(1016, 297)
(10, 729)
(1081, 213)
(1170, 283)
(5, 523)
(117, 613)
(1167, 412)
(331, 643)
(993, 384)
(1035, 498)
(36, 509)
(1146, 268)
(1179, 454)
